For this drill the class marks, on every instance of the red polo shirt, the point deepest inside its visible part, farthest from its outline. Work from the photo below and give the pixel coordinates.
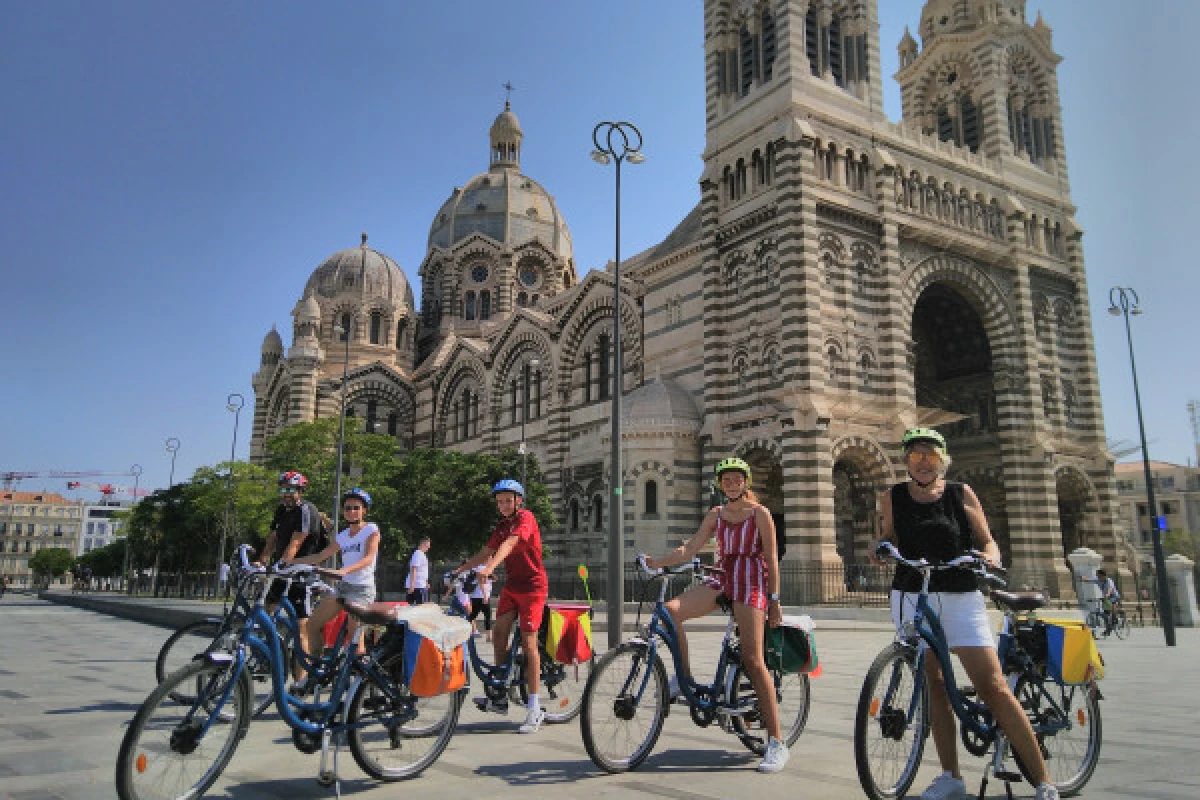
(523, 566)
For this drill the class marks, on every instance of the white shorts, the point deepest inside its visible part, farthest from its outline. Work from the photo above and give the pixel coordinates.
(963, 616)
(355, 592)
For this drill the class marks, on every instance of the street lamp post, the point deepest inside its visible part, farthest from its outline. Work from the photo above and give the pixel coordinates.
(173, 449)
(344, 332)
(1123, 301)
(531, 365)
(233, 404)
(136, 472)
(616, 142)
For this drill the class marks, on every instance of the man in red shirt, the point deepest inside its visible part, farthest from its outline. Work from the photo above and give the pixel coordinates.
(517, 541)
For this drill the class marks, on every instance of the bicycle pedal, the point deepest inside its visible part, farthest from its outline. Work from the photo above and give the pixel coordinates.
(1009, 777)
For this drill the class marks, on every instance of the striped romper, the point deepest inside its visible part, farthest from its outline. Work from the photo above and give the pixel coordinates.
(740, 555)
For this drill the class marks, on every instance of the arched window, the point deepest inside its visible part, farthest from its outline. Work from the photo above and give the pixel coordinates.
(376, 327)
(740, 179)
(537, 394)
(485, 305)
(969, 115)
(836, 62)
(812, 42)
(392, 423)
(587, 377)
(475, 414)
(651, 497)
(831, 363)
(464, 424)
(400, 335)
(740, 363)
(605, 369)
(865, 365)
(522, 300)
(452, 428)
(860, 279)
(470, 305)
(746, 49)
(372, 408)
(597, 513)
(574, 515)
(512, 402)
(344, 324)
(769, 45)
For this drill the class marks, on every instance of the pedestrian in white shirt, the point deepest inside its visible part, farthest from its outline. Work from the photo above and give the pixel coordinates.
(416, 585)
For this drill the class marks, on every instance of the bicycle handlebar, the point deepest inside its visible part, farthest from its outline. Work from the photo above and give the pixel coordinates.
(973, 562)
(694, 566)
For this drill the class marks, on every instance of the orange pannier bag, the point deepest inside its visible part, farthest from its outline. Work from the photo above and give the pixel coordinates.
(569, 632)
(434, 661)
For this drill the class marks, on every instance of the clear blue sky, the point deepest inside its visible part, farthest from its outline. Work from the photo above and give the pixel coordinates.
(171, 173)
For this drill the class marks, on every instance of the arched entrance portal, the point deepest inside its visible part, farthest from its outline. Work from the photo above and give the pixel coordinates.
(860, 473)
(768, 477)
(1074, 499)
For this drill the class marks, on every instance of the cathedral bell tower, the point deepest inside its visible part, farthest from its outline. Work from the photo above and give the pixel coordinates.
(985, 79)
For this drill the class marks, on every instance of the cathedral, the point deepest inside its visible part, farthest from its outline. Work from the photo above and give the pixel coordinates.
(841, 278)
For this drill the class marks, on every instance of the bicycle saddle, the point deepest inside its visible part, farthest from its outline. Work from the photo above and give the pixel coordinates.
(1020, 601)
(373, 614)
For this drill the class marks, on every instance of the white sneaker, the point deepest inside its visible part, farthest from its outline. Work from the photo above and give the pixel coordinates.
(776, 757)
(1047, 791)
(533, 721)
(945, 787)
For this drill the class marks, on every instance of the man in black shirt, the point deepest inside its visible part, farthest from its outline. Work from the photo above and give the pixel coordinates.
(295, 531)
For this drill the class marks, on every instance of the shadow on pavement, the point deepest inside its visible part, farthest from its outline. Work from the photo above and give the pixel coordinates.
(540, 773)
(290, 788)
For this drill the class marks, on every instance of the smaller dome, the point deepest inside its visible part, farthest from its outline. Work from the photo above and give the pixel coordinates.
(362, 272)
(307, 309)
(507, 125)
(272, 343)
(660, 405)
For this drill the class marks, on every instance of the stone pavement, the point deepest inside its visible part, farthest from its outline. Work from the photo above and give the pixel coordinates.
(71, 679)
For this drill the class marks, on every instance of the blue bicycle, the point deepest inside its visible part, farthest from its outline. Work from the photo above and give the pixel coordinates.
(626, 700)
(178, 749)
(892, 720)
(560, 686)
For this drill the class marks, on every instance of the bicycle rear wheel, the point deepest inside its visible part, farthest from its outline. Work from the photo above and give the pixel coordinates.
(619, 731)
(560, 688)
(174, 750)
(1121, 625)
(1072, 745)
(205, 636)
(792, 698)
(393, 733)
(887, 745)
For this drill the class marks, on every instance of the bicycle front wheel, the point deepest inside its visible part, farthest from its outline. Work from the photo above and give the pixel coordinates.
(619, 729)
(1068, 730)
(175, 750)
(1121, 625)
(393, 733)
(888, 745)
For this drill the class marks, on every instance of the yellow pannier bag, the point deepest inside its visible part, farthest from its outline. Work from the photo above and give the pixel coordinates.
(569, 632)
(1071, 654)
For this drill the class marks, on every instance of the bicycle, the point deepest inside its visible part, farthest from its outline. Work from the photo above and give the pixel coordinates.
(1098, 622)
(560, 686)
(626, 699)
(178, 750)
(891, 722)
(221, 633)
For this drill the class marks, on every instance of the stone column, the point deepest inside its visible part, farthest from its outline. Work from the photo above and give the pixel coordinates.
(1181, 581)
(1084, 563)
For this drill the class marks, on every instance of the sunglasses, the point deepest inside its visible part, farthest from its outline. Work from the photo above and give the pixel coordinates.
(914, 455)
(289, 490)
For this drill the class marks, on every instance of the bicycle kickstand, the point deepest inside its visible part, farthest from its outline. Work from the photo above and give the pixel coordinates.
(329, 777)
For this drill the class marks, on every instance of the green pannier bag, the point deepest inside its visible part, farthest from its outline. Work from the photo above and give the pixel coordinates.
(790, 648)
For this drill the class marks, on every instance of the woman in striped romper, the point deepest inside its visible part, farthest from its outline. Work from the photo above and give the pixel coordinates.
(748, 556)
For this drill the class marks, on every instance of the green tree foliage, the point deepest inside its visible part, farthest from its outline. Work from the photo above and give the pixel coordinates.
(52, 562)
(447, 496)
(105, 562)
(1180, 542)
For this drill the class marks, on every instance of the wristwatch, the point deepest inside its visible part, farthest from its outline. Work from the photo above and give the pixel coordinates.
(773, 597)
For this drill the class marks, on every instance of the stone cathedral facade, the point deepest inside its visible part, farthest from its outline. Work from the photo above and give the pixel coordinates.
(841, 278)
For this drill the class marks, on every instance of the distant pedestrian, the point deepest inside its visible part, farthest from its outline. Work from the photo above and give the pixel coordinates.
(416, 584)
(481, 595)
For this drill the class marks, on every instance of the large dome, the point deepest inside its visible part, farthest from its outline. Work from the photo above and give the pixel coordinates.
(361, 271)
(502, 203)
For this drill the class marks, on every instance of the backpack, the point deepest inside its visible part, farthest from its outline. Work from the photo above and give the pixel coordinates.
(321, 538)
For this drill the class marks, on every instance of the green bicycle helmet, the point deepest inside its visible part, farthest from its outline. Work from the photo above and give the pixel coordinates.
(736, 464)
(923, 436)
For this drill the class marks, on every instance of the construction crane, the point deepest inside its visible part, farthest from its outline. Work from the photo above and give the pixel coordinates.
(11, 478)
(108, 489)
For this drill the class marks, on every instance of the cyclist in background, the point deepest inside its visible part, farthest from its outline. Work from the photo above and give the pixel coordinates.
(928, 517)
(295, 530)
(516, 541)
(359, 546)
(748, 555)
(1110, 599)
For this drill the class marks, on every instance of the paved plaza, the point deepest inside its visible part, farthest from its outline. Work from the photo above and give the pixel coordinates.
(71, 679)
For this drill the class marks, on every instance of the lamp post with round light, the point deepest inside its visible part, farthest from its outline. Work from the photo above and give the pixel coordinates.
(1123, 301)
(526, 371)
(233, 404)
(616, 142)
(173, 449)
(344, 331)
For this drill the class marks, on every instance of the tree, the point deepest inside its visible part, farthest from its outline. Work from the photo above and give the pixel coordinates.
(105, 562)
(447, 496)
(52, 562)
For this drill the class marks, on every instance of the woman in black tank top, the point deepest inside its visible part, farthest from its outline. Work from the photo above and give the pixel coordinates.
(928, 517)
